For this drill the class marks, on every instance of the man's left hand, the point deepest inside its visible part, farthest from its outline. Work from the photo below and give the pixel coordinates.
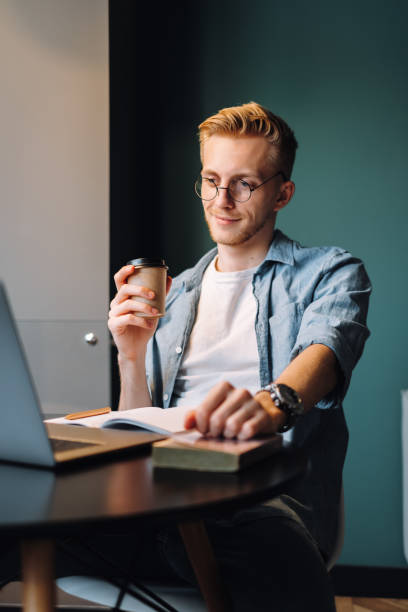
(232, 413)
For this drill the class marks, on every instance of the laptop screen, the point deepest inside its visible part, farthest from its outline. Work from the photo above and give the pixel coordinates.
(23, 437)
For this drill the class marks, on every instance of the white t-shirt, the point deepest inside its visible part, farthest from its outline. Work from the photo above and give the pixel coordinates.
(222, 344)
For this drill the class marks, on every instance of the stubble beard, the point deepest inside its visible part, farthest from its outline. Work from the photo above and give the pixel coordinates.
(242, 236)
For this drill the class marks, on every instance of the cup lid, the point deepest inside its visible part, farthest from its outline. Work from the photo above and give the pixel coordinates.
(149, 262)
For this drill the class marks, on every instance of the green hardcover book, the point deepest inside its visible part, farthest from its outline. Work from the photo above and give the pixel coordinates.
(194, 452)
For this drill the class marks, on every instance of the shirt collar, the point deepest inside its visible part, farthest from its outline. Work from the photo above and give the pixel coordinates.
(281, 249)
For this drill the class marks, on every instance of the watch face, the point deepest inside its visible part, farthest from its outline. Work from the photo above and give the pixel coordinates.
(290, 397)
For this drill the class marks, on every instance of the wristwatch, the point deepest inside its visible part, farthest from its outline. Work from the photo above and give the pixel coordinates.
(286, 399)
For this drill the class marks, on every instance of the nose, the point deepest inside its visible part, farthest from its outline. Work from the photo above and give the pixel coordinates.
(224, 199)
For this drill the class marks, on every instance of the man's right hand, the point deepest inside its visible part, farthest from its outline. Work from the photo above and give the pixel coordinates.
(131, 332)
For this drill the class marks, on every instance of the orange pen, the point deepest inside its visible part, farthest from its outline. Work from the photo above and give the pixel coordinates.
(87, 413)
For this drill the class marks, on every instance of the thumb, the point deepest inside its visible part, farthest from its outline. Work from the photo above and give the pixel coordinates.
(190, 420)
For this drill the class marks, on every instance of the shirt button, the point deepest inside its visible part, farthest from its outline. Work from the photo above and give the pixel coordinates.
(166, 396)
(179, 350)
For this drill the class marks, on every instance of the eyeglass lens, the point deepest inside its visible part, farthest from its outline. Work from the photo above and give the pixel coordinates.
(238, 190)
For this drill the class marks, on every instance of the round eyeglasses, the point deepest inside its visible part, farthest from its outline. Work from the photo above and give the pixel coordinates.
(238, 189)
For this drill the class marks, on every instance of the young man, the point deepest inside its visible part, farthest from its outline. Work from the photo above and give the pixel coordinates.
(262, 336)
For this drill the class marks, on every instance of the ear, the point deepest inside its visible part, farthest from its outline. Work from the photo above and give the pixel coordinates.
(286, 191)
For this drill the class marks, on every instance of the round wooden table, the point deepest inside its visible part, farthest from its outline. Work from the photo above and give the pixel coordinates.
(40, 506)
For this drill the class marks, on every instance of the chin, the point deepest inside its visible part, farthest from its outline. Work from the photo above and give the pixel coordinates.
(231, 240)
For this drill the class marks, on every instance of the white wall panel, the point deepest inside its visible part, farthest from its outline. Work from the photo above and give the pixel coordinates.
(54, 157)
(54, 192)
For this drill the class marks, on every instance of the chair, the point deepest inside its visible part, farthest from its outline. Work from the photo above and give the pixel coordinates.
(183, 598)
(338, 545)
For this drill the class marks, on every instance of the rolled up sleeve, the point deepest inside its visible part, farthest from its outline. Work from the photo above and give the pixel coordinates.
(337, 317)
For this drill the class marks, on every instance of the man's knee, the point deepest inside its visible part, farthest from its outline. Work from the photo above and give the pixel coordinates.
(271, 561)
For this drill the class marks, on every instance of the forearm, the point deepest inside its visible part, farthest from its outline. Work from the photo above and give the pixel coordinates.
(134, 390)
(313, 374)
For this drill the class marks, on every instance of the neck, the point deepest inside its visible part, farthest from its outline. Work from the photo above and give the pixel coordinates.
(232, 258)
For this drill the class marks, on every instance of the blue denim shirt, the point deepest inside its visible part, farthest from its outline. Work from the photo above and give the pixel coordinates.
(304, 296)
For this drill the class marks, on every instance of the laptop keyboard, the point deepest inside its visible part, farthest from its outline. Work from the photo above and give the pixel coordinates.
(63, 445)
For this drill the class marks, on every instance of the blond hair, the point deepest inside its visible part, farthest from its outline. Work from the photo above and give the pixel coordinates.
(250, 120)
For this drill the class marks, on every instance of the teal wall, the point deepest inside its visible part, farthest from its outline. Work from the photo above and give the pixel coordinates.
(337, 72)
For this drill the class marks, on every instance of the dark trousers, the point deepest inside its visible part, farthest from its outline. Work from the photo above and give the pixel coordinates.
(267, 561)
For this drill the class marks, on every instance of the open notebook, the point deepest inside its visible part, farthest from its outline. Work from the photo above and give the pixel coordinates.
(167, 422)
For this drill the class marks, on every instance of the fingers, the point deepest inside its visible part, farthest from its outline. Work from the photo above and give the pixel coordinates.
(216, 396)
(127, 291)
(133, 307)
(119, 324)
(261, 422)
(231, 412)
(228, 418)
(121, 276)
(125, 310)
(238, 419)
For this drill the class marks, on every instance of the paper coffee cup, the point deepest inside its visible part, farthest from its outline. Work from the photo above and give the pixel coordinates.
(150, 272)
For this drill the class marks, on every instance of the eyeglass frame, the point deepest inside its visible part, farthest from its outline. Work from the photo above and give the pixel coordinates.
(251, 189)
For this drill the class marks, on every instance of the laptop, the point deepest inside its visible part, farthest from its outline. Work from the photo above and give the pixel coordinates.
(24, 438)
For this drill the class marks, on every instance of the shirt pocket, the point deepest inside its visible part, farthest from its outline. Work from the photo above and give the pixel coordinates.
(284, 327)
